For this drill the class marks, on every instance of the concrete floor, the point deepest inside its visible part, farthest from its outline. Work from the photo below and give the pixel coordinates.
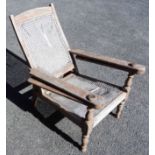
(114, 28)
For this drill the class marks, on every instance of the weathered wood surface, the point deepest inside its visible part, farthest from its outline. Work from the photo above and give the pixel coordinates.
(85, 102)
(71, 105)
(87, 128)
(68, 88)
(42, 85)
(112, 105)
(111, 62)
(64, 70)
(127, 88)
(42, 39)
(111, 98)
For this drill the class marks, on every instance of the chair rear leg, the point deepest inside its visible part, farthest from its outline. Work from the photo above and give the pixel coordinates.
(127, 88)
(34, 99)
(120, 109)
(87, 129)
(35, 95)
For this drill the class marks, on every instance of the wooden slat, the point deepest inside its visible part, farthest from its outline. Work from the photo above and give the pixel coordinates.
(36, 12)
(111, 62)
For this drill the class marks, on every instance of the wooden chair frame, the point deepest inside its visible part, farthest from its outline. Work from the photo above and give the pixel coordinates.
(55, 84)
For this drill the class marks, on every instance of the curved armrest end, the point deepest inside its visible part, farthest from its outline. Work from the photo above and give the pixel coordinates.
(140, 69)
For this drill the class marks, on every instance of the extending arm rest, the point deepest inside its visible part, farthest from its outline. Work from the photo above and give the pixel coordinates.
(65, 88)
(108, 61)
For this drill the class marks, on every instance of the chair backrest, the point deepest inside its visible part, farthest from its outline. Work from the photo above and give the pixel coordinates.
(42, 40)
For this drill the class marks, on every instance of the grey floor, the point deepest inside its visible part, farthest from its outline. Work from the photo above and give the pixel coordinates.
(114, 28)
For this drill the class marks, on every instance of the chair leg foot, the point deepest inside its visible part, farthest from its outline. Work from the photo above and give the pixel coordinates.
(120, 109)
(85, 138)
(84, 144)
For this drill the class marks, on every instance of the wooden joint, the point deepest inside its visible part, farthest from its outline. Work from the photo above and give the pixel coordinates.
(90, 97)
(128, 82)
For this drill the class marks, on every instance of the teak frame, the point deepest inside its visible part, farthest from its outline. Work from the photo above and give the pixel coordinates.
(55, 84)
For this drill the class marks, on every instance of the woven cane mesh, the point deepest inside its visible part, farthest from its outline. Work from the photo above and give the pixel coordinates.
(45, 43)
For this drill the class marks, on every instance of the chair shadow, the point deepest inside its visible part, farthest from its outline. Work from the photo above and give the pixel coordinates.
(17, 75)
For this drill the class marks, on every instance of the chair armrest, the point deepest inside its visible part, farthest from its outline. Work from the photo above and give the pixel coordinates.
(65, 88)
(43, 85)
(108, 61)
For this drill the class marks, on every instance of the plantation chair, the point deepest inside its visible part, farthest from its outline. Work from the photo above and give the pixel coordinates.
(55, 77)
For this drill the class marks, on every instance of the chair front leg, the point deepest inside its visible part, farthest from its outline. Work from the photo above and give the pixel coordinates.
(87, 128)
(127, 88)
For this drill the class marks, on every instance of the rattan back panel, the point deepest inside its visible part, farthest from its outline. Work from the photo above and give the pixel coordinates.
(42, 39)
